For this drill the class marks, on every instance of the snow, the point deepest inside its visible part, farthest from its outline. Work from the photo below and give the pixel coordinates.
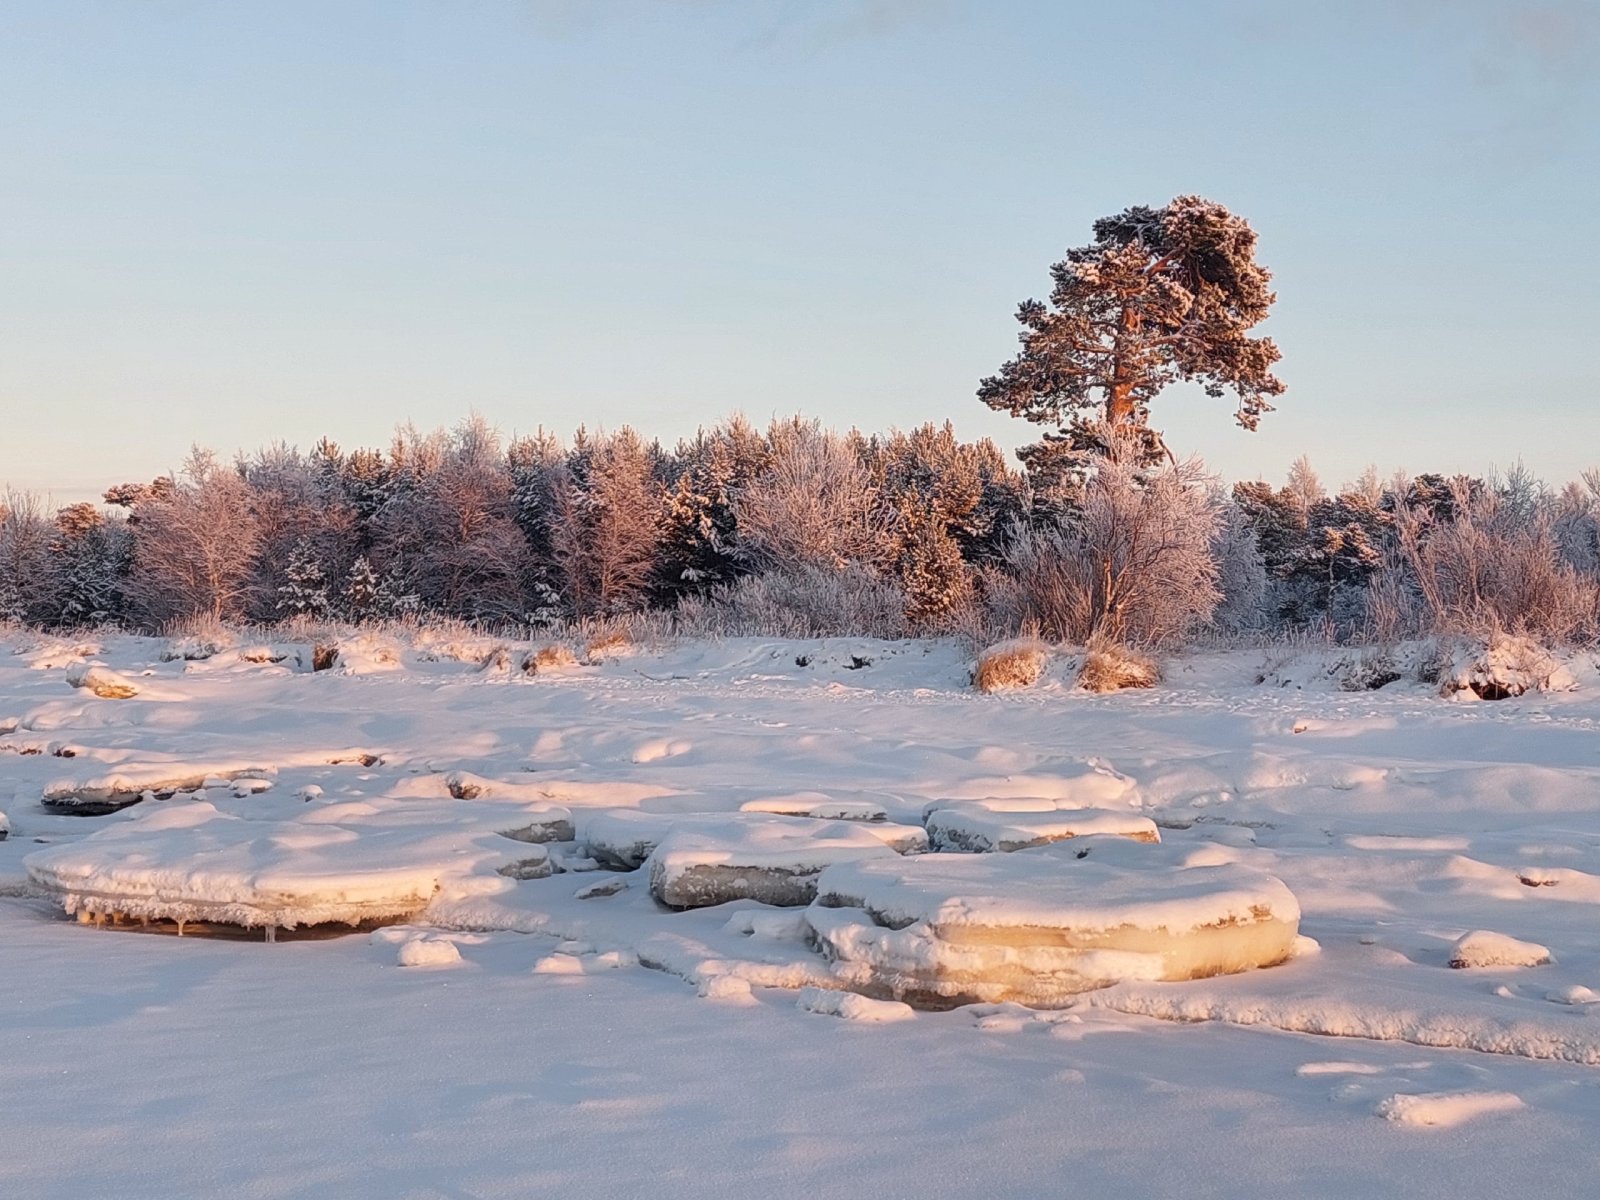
(1441, 1110)
(852, 1007)
(1483, 948)
(669, 1054)
(428, 952)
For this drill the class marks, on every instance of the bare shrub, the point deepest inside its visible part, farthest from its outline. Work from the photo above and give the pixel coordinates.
(609, 643)
(1013, 664)
(1111, 667)
(1489, 567)
(1133, 563)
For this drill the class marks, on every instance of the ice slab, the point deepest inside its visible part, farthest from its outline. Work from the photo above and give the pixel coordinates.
(775, 860)
(819, 806)
(982, 829)
(348, 863)
(1040, 926)
(624, 838)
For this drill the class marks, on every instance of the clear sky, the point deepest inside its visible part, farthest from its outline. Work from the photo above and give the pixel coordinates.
(232, 223)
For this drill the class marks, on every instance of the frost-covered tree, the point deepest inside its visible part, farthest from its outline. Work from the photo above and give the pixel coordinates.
(606, 528)
(1134, 564)
(814, 505)
(92, 555)
(447, 528)
(367, 596)
(27, 568)
(947, 500)
(1162, 295)
(195, 543)
(301, 512)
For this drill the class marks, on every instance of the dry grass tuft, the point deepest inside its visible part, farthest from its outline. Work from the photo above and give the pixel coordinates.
(1108, 667)
(1008, 665)
(552, 657)
(613, 643)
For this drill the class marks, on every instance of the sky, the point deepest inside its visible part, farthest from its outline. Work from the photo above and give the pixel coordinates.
(238, 223)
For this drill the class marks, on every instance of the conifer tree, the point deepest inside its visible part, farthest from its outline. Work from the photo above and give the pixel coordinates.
(1160, 296)
(304, 592)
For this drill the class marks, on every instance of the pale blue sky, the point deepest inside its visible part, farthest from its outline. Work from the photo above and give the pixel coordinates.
(237, 222)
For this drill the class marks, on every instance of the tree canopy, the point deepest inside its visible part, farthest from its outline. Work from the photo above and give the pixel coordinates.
(1162, 295)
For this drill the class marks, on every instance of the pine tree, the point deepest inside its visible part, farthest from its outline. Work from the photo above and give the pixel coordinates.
(1160, 296)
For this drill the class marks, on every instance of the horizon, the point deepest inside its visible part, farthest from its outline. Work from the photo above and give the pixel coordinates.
(241, 226)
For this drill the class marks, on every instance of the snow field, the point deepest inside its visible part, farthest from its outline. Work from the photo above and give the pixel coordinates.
(1398, 822)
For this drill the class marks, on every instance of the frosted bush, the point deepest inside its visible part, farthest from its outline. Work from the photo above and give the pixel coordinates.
(806, 602)
(1132, 563)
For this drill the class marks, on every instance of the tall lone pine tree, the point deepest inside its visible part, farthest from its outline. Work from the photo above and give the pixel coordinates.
(1162, 295)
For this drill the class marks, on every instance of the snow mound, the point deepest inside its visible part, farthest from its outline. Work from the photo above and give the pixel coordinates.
(1503, 667)
(1041, 926)
(1090, 785)
(852, 1007)
(1441, 1110)
(982, 829)
(366, 654)
(429, 952)
(104, 683)
(1483, 948)
(775, 860)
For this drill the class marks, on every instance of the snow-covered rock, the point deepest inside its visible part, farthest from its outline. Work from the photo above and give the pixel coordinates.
(104, 683)
(852, 1007)
(428, 951)
(1041, 926)
(1502, 667)
(1484, 948)
(979, 828)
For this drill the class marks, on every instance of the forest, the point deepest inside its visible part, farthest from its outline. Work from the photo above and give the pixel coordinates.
(798, 530)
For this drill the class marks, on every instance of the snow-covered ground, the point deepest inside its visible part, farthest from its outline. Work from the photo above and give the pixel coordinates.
(541, 1024)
